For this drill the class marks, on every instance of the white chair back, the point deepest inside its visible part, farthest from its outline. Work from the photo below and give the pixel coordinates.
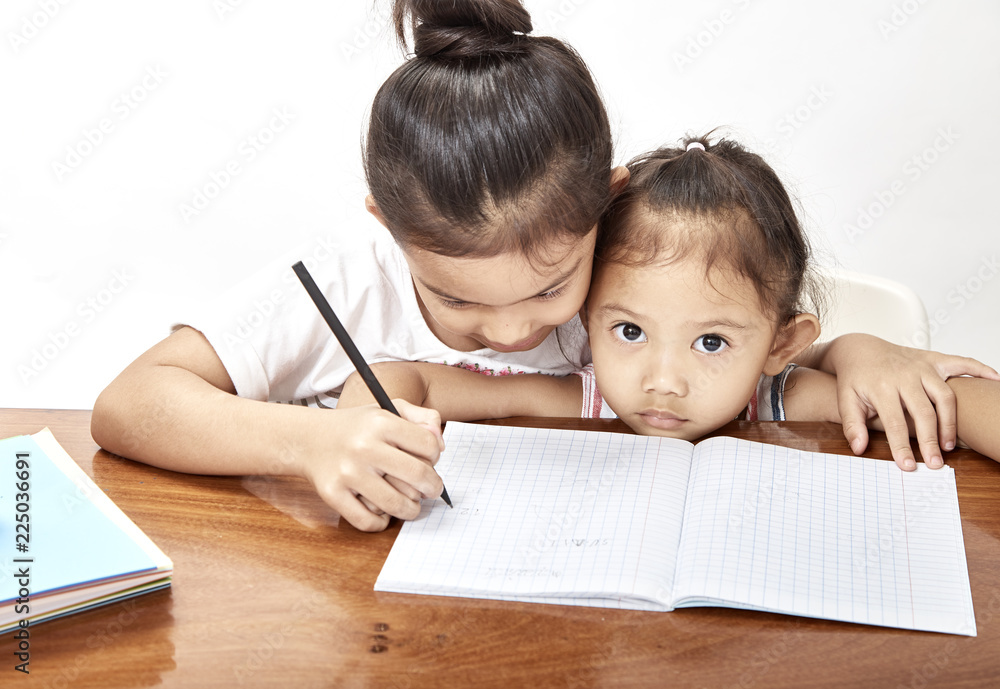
(862, 303)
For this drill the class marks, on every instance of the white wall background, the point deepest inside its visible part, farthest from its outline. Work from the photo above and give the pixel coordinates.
(884, 107)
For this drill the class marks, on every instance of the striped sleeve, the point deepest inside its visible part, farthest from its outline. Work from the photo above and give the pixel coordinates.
(593, 403)
(769, 402)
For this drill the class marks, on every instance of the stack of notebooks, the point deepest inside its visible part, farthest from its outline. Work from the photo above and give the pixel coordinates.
(624, 521)
(64, 545)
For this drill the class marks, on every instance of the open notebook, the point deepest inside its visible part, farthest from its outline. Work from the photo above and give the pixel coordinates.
(75, 549)
(625, 521)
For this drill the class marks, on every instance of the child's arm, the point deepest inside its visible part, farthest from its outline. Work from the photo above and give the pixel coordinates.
(811, 396)
(978, 414)
(462, 395)
(175, 407)
(875, 377)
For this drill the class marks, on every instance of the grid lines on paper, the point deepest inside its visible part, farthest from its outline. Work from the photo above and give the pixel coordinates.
(547, 514)
(822, 535)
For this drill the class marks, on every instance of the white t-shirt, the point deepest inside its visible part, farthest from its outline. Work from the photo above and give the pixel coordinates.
(276, 346)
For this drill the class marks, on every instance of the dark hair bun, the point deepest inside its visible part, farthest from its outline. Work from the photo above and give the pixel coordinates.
(457, 29)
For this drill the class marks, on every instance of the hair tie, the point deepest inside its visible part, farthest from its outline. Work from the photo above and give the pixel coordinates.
(695, 144)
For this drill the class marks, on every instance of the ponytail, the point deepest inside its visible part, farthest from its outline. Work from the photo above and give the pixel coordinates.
(461, 29)
(719, 201)
(488, 139)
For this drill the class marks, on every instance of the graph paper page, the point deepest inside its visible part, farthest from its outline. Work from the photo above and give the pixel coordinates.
(547, 516)
(828, 536)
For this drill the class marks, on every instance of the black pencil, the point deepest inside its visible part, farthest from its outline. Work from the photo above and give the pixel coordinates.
(348, 344)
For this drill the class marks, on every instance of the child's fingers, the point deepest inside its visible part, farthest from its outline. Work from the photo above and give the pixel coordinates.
(372, 507)
(951, 366)
(427, 418)
(384, 497)
(898, 436)
(889, 409)
(415, 440)
(360, 515)
(854, 417)
(407, 470)
(385, 470)
(436, 430)
(367, 501)
(403, 487)
(925, 426)
(946, 410)
(400, 449)
(855, 412)
(360, 492)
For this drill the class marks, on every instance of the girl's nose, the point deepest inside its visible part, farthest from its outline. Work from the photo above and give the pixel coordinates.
(665, 376)
(506, 332)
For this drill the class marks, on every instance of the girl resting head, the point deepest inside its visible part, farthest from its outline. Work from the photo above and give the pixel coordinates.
(700, 269)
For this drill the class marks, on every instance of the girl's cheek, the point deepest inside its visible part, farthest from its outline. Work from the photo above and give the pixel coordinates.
(448, 320)
(567, 311)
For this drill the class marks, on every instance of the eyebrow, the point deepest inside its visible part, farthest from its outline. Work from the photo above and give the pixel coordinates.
(615, 309)
(563, 277)
(724, 322)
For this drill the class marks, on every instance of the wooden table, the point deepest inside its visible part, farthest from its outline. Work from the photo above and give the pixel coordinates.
(271, 590)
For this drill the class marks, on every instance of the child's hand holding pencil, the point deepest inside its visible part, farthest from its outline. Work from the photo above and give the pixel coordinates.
(371, 465)
(395, 464)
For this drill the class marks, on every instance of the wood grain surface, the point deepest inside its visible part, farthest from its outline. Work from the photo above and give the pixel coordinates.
(271, 589)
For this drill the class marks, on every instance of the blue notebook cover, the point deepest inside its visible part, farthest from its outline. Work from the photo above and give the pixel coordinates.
(74, 542)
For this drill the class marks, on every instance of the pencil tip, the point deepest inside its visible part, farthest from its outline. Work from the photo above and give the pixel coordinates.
(447, 500)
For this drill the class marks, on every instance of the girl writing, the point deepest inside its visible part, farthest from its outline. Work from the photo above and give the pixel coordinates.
(489, 162)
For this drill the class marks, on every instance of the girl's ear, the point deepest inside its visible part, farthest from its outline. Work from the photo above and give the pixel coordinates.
(619, 179)
(373, 209)
(793, 337)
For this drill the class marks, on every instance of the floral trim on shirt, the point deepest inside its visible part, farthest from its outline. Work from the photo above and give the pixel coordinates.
(486, 371)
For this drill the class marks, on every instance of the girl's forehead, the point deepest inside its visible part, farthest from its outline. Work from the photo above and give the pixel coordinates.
(679, 281)
(505, 278)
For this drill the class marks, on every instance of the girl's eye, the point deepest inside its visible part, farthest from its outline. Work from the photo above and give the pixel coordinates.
(453, 304)
(710, 344)
(551, 294)
(629, 332)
